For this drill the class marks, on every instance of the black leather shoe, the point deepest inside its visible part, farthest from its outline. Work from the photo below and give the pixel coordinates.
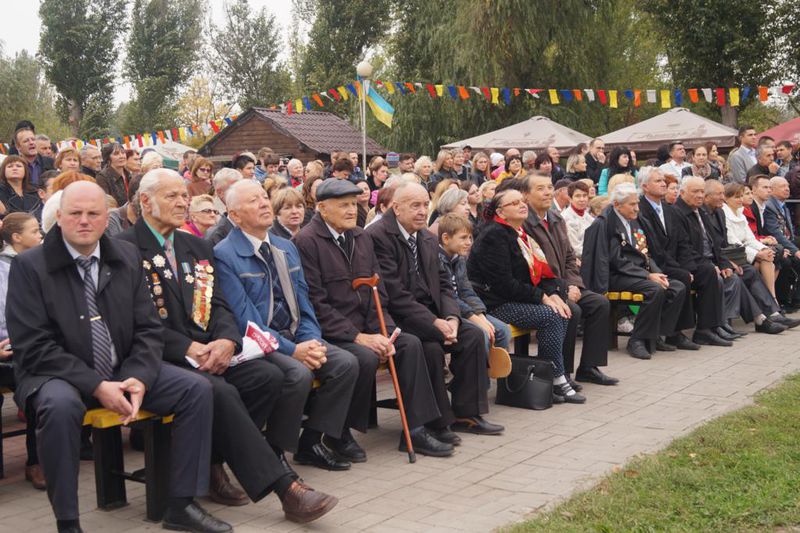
(662, 346)
(445, 435)
(194, 518)
(733, 331)
(681, 342)
(321, 457)
(288, 468)
(477, 425)
(593, 374)
(346, 448)
(577, 387)
(558, 399)
(425, 443)
(768, 326)
(638, 349)
(789, 323)
(789, 309)
(723, 334)
(706, 337)
(563, 390)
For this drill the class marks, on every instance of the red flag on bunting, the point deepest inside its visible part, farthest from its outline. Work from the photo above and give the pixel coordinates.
(140, 140)
(214, 126)
(485, 91)
(289, 107)
(335, 94)
(517, 90)
(534, 92)
(787, 89)
(720, 96)
(175, 134)
(693, 96)
(431, 90)
(601, 93)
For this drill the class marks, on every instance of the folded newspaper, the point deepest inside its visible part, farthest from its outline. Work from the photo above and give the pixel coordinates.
(255, 343)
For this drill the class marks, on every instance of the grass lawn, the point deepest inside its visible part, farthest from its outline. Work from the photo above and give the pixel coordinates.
(740, 472)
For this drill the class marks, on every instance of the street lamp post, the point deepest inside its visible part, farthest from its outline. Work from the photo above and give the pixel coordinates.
(364, 71)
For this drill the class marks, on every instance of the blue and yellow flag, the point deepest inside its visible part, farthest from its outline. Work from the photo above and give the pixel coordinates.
(381, 109)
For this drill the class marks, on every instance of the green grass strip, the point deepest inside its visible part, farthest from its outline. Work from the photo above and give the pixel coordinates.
(740, 472)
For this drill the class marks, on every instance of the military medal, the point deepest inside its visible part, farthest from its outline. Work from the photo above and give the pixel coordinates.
(641, 242)
(167, 274)
(203, 292)
(146, 264)
(159, 261)
(162, 312)
(157, 290)
(189, 279)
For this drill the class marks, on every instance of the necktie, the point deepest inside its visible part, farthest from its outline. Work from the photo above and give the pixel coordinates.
(101, 338)
(412, 243)
(706, 239)
(660, 213)
(169, 251)
(281, 316)
(343, 245)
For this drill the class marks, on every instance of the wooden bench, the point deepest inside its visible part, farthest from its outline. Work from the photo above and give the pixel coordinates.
(522, 340)
(618, 300)
(6, 434)
(109, 468)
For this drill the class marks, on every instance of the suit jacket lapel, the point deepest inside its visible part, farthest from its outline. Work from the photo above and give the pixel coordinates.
(284, 278)
(186, 290)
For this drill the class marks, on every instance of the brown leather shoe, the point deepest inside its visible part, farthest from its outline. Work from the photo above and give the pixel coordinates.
(303, 504)
(221, 490)
(35, 475)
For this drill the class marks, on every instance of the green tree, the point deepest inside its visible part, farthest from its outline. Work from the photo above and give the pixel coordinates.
(24, 94)
(78, 49)
(717, 43)
(244, 56)
(163, 49)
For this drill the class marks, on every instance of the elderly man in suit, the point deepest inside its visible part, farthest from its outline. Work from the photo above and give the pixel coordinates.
(335, 252)
(201, 334)
(673, 252)
(548, 228)
(631, 267)
(86, 334)
(778, 224)
(421, 301)
(224, 178)
(263, 280)
(754, 303)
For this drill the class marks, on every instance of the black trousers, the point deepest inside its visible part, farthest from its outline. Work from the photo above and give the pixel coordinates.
(60, 408)
(412, 375)
(468, 363)
(244, 396)
(658, 313)
(709, 300)
(593, 310)
(758, 292)
(787, 288)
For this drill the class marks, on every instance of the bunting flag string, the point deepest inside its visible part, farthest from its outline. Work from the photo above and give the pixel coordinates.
(493, 95)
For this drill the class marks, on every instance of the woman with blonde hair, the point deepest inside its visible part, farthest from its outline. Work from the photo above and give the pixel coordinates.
(441, 187)
(423, 169)
(443, 168)
(289, 210)
(68, 159)
(151, 160)
(481, 168)
(201, 174)
(617, 179)
(202, 215)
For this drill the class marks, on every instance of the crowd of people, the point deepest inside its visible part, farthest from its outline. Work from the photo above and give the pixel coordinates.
(226, 297)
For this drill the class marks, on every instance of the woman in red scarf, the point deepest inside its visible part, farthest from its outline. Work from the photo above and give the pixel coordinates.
(511, 275)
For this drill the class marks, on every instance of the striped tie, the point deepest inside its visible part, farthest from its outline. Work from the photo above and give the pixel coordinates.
(412, 243)
(101, 338)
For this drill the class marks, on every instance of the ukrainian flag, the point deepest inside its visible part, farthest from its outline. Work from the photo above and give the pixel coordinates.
(381, 109)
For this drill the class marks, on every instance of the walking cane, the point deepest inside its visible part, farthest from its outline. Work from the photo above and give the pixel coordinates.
(373, 282)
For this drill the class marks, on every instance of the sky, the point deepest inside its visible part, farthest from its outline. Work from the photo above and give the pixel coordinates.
(23, 34)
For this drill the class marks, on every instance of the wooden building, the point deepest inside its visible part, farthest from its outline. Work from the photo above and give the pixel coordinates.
(306, 136)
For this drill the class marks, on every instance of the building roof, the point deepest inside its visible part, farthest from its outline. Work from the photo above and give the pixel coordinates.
(320, 131)
(677, 124)
(533, 134)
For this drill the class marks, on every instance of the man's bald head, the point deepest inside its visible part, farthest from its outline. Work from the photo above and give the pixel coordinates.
(715, 194)
(410, 205)
(693, 191)
(780, 188)
(83, 215)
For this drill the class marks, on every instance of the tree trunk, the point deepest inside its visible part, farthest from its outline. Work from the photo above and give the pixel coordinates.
(730, 116)
(75, 117)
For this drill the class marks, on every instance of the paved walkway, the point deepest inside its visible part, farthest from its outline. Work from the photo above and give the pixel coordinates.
(490, 481)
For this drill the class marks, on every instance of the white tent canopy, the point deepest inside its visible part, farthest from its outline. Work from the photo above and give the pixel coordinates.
(677, 124)
(536, 133)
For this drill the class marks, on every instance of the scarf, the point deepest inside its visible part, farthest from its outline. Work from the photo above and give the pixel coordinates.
(532, 252)
(579, 212)
(703, 171)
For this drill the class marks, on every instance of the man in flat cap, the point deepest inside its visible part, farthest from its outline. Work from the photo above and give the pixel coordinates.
(334, 252)
(263, 281)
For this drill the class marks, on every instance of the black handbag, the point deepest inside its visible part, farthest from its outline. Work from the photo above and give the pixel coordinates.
(735, 253)
(529, 385)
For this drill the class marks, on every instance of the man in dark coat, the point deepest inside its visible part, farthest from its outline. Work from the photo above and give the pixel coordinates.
(548, 228)
(334, 252)
(25, 140)
(675, 256)
(262, 278)
(595, 160)
(632, 268)
(201, 334)
(86, 334)
(778, 224)
(422, 303)
(707, 239)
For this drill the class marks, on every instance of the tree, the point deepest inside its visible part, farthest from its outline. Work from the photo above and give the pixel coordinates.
(163, 50)
(245, 56)
(24, 94)
(200, 103)
(78, 49)
(717, 43)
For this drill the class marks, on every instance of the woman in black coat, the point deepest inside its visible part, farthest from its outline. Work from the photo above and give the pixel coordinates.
(17, 195)
(510, 274)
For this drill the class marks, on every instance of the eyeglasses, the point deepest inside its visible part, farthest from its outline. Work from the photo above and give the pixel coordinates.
(208, 211)
(515, 203)
(204, 170)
